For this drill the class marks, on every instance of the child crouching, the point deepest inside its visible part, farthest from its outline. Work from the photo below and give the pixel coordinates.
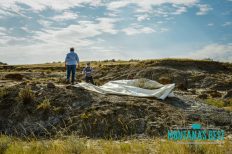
(88, 70)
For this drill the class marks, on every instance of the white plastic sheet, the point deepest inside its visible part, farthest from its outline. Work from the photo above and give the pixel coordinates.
(130, 87)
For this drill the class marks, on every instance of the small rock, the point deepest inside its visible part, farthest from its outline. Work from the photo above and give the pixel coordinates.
(50, 85)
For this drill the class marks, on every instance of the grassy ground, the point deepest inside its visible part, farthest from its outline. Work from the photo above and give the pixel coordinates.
(12, 145)
(75, 145)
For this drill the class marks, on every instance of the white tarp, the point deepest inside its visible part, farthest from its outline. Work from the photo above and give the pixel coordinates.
(149, 88)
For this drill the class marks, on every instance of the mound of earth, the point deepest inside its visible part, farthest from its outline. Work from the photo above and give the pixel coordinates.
(57, 109)
(76, 111)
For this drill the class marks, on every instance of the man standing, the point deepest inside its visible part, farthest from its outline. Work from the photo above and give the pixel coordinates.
(71, 62)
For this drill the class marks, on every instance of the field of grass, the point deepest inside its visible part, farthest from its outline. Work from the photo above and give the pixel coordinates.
(71, 144)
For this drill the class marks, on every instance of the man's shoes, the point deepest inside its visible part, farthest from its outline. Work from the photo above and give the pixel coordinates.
(73, 83)
(67, 82)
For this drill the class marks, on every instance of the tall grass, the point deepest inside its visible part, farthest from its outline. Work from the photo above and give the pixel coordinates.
(76, 145)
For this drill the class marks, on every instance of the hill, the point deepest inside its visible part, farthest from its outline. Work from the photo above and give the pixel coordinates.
(36, 102)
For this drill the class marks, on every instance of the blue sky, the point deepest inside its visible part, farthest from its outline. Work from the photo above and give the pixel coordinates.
(42, 31)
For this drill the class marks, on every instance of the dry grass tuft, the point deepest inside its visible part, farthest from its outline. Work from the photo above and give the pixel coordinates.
(44, 105)
(26, 95)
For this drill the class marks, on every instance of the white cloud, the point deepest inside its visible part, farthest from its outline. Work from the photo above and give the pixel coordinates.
(220, 52)
(112, 14)
(79, 35)
(228, 23)
(44, 23)
(43, 4)
(210, 24)
(107, 25)
(164, 30)
(146, 5)
(134, 30)
(3, 29)
(65, 16)
(142, 17)
(4, 13)
(203, 9)
(13, 10)
(180, 10)
(70, 34)
(117, 4)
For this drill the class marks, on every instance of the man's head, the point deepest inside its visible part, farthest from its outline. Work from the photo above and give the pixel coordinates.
(88, 63)
(71, 49)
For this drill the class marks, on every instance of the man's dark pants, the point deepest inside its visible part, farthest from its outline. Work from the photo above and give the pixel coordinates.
(71, 69)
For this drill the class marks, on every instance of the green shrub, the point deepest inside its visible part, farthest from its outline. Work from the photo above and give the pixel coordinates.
(26, 95)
